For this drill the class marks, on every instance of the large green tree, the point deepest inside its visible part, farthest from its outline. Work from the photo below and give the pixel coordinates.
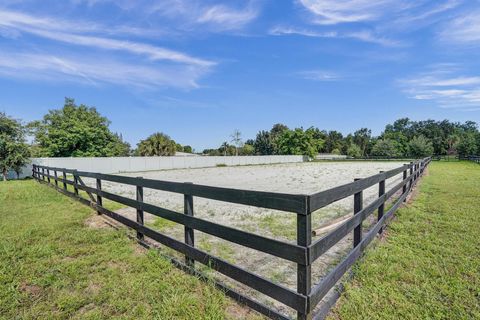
(14, 152)
(362, 138)
(420, 147)
(299, 142)
(333, 142)
(386, 148)
(76, 131)
(263, 143)
(468, 145)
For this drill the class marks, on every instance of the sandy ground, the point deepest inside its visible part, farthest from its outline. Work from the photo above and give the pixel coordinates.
(297, 178)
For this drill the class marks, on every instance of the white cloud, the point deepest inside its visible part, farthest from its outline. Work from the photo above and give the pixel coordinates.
(328, 12)
(361, 35)
(445, 87)
(320, 75)
(47, 28)
(136, 64)
(192, 14)
(228, 18)
(463, 29)
(94, 71)
(427, 12)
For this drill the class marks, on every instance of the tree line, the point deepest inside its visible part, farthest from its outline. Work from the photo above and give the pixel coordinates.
(81, 131)
(402, 139)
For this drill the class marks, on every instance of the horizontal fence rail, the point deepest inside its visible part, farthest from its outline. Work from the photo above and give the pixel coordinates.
(475, 159)
(307, 296)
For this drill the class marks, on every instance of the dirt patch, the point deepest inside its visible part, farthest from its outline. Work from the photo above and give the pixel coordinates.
(93, 288)
(119, 265)
(97, 222)
(31, 289)
(86, 308)
(237, 311)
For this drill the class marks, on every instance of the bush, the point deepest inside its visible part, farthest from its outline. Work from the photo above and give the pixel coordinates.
(386, 148)
(420, 147)
(354, 151)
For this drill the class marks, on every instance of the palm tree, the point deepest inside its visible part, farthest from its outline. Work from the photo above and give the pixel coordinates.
(224, 147)
(157, 144)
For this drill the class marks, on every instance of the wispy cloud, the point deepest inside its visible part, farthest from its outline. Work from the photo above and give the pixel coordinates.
(47, 28)
(464, 29)
(193, 14)
(379, 21)
(94, 71)
(328, 12)
(445, 85)
(228, 18)
(361, 35)
(320, 75)
(137, 63)
(331, 12)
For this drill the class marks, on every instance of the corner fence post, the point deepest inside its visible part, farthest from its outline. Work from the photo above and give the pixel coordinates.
(140, 218)
(75, 182)
(189, 232)
(99, 198)
(404, 189)
(381, 208)
(64, 179)
(56, 178)
(357, 207)
(33, 171)
(304, 272)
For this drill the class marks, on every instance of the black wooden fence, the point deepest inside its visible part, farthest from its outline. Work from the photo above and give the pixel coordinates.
(475, 159)
(307, 296)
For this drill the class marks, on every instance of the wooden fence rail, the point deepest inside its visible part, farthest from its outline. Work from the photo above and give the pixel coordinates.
(307, 296)
(475, 159)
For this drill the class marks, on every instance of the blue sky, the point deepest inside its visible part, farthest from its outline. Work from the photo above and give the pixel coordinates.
(198, 69)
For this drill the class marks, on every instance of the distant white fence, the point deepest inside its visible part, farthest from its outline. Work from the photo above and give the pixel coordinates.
(330, 156)
(136, 164)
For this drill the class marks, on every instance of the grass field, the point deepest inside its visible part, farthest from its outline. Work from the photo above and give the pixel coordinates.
(52, 266)
(428, 266)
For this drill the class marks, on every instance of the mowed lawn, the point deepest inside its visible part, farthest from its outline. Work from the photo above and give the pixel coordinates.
(53, 266)
(428, 266)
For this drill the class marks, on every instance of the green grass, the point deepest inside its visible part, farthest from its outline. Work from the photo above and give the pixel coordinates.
(428, 267)
(52, 266)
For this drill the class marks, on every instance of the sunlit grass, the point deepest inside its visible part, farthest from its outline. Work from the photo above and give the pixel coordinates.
(428, 266)
(52, 266)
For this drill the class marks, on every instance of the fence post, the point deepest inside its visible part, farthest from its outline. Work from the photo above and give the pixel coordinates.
(75, 182)
(357, 207)
(304, 272)
(43, 174)
(33, 171)
(48, 175)
(64, 179)
(140, 218)
(410, 185)
(99, 198)
(189, 232)
(404, 189)
(56, 178)
(381, 209)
